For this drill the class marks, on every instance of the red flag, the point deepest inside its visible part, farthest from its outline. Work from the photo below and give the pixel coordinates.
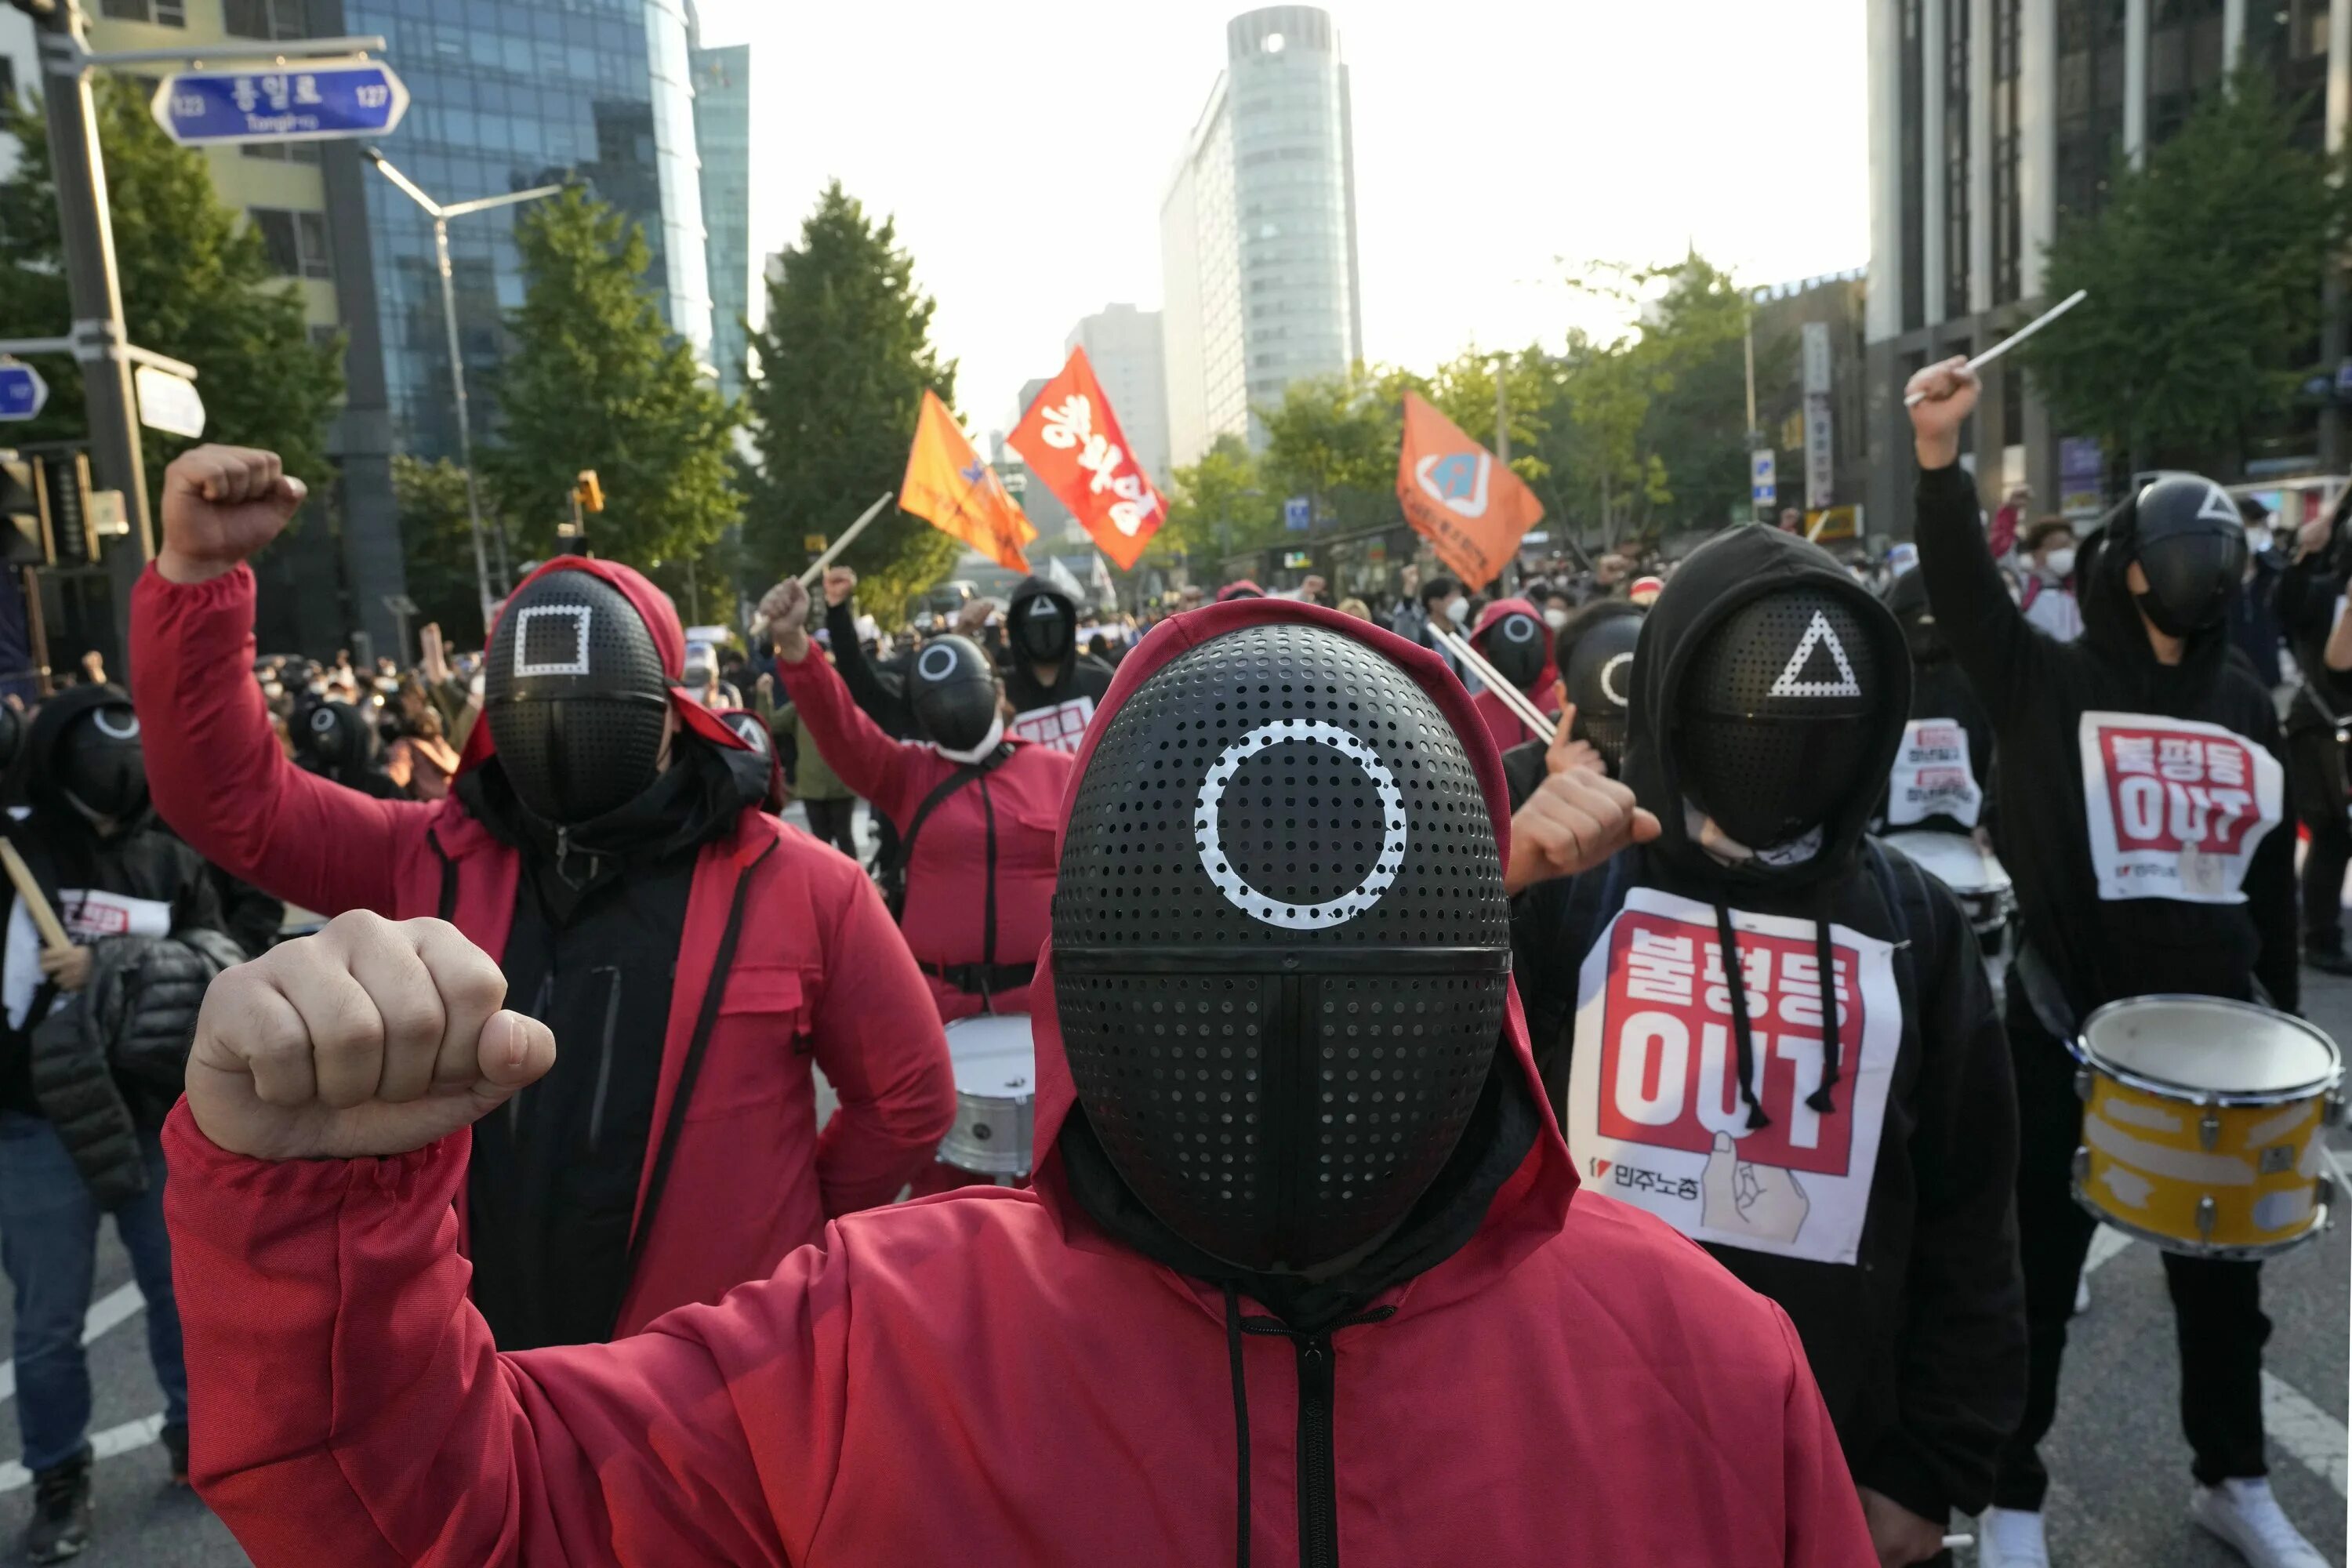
(1072, 442)
(1471, 509)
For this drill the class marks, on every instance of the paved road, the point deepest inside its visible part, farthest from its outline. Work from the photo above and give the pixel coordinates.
(2121, 1470)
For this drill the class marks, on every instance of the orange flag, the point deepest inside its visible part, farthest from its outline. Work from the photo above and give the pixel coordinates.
(952, 487)
(1471, 509)
(1072, 442)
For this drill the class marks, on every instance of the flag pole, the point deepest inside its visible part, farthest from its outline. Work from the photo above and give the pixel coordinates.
(817, 567)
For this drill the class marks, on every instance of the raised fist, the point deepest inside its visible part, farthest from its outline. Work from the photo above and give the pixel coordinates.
(372, 1037)
(784, 610)
(840, 582)
(1947, 396)
(1576, 819)
(220, 505)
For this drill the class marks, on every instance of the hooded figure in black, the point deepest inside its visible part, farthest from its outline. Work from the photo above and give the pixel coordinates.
(2140, 810)
(1849, 1160)
(1052, 684)
(2317, 723)
(1942, 776)
(335, 740)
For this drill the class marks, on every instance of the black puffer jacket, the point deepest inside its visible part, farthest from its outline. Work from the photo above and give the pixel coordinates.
(111, 1061)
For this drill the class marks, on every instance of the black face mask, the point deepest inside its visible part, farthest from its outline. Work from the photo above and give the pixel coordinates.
(1281, 947)
(1042, 632)
(100, 764)
(576, 698)
(337, 735)
(952, 689)
(1600, 677)
(1514, 646)
(2190, 543)
(1772, 732)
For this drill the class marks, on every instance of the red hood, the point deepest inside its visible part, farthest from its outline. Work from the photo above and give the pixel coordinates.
(1533, 1204)
(669, 637)
(1546, 679)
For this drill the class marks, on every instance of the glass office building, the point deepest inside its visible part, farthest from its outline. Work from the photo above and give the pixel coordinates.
(722, 130)
(508, 94)
(1258, 231)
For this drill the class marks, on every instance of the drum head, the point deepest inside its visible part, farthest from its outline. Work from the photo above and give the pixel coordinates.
(2205, 1045)
(994, 1057)
(1952, 860)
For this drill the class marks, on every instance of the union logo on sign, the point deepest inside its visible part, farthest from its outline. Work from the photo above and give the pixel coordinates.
(1457, 482)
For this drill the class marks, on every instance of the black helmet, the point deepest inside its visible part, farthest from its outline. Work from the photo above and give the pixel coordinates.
(2190, 543)
(1517, 645)
(1905, 599)
(575, 697)
(1770, 731)
(100, 764)
(335, 736)
(1281, 945)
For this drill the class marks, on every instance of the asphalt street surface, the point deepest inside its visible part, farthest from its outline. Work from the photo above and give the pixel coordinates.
(2121, 1470)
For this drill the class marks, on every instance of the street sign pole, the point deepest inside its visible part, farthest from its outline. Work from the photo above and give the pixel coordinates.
(88, 232)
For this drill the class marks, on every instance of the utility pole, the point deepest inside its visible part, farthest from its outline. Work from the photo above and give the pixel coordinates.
(87, 230)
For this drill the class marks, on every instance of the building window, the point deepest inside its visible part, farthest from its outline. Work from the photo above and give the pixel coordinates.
(162, 13)
(2007, 208)
(1960, 157)
(263, 19)
(296, 242)
(2090, 102)
(1915, 288)
(283, 151)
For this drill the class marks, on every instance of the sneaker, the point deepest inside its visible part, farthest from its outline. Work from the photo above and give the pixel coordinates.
(2082, 1295)
(175, 1444)
(2245, 1514)
(2010, 1538)
(62, 1512)
(2328, 960)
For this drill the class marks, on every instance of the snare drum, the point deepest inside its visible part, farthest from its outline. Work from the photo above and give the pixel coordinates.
(2201, 1125)
(996, 1088)
(1976, 879)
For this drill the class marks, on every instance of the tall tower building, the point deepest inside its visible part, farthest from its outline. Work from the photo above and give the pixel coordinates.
(1123, 344)
(723, 134)
(1257, 231)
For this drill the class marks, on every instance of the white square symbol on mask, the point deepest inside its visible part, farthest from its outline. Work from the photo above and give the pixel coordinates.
(549, 642)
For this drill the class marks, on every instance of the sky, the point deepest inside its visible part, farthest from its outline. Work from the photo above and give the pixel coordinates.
(1024, 151)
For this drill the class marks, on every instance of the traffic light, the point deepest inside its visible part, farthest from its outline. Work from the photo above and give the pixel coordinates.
(591, 493)
(20, 511)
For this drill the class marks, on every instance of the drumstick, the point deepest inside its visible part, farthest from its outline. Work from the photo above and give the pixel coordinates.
(1914, 399)
(1952, 1541)
(817, 567)
(53, 932)
(1517, 701)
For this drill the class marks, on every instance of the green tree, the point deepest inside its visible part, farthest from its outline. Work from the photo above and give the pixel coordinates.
(595, 380)
(197, 285)
(438, 539)
(845, 359)
(2204, 272)
(1218, 505)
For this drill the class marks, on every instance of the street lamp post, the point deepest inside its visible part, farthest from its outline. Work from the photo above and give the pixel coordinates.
(441, 215)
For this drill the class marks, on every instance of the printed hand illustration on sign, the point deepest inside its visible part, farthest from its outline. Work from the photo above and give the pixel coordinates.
(1738, 1198)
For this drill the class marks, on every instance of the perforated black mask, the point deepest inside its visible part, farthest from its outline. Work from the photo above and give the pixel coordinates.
(1514, 646)
(952, 688)
(102, 762)
(334, 735)
(575, 697)
(1281, 946)
(1041, 631)
(2191, 544)
(1600, 677)
(1770, 731)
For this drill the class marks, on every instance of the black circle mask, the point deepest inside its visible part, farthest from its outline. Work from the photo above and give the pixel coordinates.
(952, 689)
(334, 736)
(1281, 947)
(101, 763)
(575, 697)
(1771, 725)
(1600, 677)
(1514, 646)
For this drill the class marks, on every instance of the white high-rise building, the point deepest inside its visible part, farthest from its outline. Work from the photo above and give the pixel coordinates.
(1123, 346)
(1257, 231)
(19, 72)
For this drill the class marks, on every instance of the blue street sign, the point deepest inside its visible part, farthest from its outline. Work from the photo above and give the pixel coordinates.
(1296, 513)
(1763, 477)
(22, 391)
(315, 101)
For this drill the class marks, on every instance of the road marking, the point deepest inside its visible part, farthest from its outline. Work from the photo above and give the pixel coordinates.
(109, 1312)
(2313, 1436)
(129, 1437)
(2104, 1246)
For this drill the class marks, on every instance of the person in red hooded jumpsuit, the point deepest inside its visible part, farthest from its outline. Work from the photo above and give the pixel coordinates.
(1306, 1276)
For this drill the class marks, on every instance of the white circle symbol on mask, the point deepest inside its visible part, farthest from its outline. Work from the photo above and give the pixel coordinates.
(1258, 905)
(945, 667)
(322, 719)
(1609, 673)
(1518, 628)
(125, 728)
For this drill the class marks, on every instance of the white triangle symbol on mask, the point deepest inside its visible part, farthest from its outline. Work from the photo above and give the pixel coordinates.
(1816, 635)
(2218, 507)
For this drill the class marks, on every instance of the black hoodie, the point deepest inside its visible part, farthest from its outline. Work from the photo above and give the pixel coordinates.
(2095, 948)
(1940, 690)
(1079, 674)
(1903, 1283)
(137, 860)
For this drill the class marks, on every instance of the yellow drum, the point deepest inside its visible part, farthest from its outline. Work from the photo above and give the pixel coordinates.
(2201, 1123)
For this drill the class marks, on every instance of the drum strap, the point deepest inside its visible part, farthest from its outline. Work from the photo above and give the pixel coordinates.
(2044, 993)
(894, 870)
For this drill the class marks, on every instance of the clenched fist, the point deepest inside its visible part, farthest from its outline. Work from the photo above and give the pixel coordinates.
(1577, 818)
(372, 1037)
(840, 582)
(785, 609)
(1947, 396)
(220, 505)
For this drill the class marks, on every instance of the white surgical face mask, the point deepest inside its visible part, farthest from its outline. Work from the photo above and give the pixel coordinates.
(1556, 620)
(988, 744)
(2258, 539)
(2061, 563)
(1458, 610)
